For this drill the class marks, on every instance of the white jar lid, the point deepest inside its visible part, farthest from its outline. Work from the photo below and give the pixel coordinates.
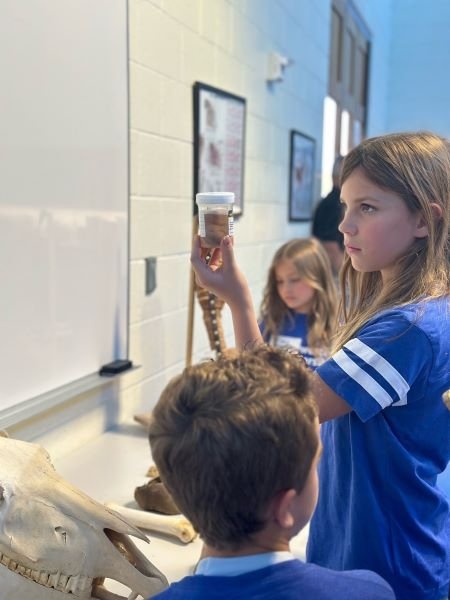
(214, 198)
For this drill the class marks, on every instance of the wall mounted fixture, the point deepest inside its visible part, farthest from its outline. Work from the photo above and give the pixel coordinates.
(275, 66)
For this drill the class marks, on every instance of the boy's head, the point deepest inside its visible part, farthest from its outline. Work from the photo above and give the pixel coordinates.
(229, 436)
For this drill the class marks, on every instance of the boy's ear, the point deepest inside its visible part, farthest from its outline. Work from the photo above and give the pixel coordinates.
(283, 508)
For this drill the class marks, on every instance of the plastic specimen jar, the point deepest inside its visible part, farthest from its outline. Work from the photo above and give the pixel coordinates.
(215, 217)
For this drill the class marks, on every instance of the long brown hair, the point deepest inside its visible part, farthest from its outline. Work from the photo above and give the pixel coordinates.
(416, 166)
(313, 266)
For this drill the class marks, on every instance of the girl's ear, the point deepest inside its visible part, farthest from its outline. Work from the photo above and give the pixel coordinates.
(436, 210)
(422, 227)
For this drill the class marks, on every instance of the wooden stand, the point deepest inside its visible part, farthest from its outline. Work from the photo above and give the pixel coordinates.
(191, 305)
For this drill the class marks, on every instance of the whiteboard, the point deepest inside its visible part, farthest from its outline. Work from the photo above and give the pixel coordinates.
(64, 192)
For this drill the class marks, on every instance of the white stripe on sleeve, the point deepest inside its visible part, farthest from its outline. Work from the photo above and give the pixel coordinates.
(384, 368)
(366, 381)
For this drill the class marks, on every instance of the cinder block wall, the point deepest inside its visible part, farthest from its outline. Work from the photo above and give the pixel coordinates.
(223, 43)
(226, 43)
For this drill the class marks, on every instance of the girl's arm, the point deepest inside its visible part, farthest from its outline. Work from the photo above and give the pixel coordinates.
(223, 277)
(329, 403)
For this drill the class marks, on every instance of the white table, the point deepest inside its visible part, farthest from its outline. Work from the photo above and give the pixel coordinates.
(109, 469)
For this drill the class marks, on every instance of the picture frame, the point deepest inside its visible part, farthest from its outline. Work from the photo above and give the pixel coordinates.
(301, 176)
(219, 142)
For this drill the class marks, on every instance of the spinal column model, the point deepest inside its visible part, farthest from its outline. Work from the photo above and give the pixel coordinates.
(212, 308)
(56, 543)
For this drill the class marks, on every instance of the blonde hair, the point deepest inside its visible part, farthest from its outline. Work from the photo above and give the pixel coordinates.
(416, 166)
(313, 266)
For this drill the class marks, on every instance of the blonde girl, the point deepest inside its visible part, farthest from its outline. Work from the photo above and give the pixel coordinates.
(386, 428)
(300, 300)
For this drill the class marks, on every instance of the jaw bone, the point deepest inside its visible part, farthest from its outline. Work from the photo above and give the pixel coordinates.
(55, 540)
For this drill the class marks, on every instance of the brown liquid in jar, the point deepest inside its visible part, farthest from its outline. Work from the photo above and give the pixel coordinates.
(216, 228)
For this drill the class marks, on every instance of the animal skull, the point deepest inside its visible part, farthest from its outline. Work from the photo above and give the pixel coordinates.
(56, 543)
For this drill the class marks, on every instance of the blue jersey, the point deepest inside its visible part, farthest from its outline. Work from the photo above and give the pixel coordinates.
(293, 333)
(379, 506)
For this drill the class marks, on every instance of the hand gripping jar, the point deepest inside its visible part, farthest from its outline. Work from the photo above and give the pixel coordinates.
(215, 217)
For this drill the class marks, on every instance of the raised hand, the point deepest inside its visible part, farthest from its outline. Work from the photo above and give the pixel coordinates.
(220, 274)
(216, 270)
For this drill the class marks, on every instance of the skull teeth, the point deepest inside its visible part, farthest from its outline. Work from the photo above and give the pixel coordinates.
(78, 585)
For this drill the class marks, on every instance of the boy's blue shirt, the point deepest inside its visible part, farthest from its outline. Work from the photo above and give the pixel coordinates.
(289, 580)
(379, 506)
(237, 565)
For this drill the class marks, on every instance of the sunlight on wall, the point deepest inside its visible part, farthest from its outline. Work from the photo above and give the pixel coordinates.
(328, 144)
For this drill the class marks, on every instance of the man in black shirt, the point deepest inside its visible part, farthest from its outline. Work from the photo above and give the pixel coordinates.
(327, 217)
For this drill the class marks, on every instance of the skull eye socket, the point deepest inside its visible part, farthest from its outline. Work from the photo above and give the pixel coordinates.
(62, 533)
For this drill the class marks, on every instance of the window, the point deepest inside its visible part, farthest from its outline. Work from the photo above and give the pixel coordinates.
(328, 144)
(348, 75)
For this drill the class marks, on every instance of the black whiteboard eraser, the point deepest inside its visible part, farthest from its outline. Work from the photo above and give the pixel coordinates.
(115, 367)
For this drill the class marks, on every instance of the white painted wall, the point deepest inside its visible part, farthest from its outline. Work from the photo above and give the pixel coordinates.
(409, 87)
(377, 16)
(419, 86)
(224, 43)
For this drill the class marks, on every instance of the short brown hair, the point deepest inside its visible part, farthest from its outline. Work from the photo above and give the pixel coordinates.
(228, 435)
